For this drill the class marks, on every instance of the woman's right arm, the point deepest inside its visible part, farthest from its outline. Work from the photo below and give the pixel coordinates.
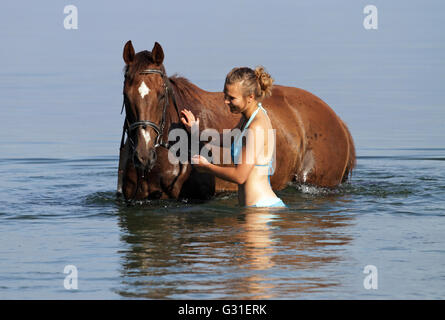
(188, 119)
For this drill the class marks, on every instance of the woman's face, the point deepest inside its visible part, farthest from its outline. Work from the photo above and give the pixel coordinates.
(234, 99)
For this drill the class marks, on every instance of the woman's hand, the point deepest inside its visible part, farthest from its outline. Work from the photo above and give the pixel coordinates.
(200, 163)
(189, 119)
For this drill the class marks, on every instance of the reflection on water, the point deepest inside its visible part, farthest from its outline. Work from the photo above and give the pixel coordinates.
(61, 212)
(253, 253)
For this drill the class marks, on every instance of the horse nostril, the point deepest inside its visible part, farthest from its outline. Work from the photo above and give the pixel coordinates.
(139, 160)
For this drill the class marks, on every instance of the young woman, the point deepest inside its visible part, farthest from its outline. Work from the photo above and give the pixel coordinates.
(244, 89)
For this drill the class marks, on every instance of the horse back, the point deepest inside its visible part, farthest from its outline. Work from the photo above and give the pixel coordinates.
(314, 144)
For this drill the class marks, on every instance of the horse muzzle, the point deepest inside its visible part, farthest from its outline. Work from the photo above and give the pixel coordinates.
(144, 160)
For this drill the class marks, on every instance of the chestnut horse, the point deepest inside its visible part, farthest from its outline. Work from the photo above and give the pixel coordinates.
(313, 145)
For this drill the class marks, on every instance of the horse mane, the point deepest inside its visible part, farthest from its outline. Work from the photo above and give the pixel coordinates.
(186, 93)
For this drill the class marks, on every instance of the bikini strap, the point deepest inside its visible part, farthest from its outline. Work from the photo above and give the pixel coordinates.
(251, 118)
(261, 106)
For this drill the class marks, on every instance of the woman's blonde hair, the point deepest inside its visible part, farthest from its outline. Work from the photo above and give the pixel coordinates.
(257, 81)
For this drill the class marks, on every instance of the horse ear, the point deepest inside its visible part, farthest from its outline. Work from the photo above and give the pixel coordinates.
(157, 53)
(128, 52)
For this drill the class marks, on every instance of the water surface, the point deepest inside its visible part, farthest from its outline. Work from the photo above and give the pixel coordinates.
(60, 98)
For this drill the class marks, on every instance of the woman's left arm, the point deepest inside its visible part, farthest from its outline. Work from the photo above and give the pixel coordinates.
(241, 171)
(237, 174)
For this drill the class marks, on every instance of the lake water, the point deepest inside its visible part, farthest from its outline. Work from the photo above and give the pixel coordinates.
(60, 98)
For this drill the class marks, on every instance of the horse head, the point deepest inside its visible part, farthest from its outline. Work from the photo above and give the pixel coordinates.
(151, 104)
(146, 100)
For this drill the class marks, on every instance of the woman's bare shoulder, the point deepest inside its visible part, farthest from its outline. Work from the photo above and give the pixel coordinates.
(261, 122)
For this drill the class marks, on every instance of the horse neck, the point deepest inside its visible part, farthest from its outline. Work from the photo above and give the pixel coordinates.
(187, 95)
(201, 102)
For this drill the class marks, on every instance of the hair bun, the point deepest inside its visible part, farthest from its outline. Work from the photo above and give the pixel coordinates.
(265, 81)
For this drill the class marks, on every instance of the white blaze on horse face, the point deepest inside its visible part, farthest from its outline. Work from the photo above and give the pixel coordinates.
(146, 136)
(143, 90)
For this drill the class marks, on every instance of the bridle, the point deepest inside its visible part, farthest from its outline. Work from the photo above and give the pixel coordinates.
(159, 129)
